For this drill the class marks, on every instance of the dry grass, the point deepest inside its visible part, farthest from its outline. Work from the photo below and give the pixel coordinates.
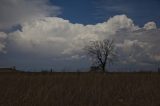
(79, 89)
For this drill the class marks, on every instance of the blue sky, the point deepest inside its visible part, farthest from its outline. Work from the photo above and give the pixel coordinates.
(39, 34)
(94, 11)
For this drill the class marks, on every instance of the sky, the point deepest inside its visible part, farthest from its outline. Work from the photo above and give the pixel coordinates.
(44, 34)
(96, 11)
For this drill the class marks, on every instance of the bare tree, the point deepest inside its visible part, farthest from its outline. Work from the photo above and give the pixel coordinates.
(101, 52)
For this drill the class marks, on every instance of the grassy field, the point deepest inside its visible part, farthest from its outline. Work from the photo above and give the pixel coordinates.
(79, 89)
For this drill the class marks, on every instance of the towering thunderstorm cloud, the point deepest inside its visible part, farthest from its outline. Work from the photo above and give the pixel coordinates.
(45, 35)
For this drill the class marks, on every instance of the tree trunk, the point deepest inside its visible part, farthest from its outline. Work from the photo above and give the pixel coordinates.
(103, 67)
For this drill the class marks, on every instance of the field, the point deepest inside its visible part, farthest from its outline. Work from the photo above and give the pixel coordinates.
(79, 89)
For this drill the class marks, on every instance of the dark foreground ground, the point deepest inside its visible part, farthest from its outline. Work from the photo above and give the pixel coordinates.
(79, 89)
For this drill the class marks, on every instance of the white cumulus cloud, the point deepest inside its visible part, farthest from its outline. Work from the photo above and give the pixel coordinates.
(150, 25)
(58, 38)
(3, 37)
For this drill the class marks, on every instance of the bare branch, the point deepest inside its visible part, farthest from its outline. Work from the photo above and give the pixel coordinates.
(101, 51)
